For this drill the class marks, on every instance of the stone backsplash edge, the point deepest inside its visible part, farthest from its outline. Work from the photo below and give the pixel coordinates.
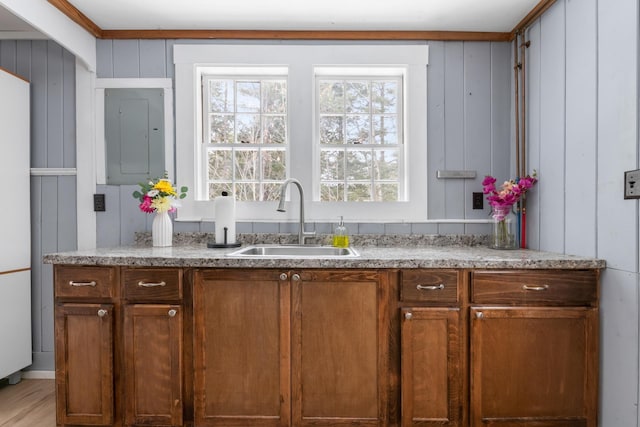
(362, 240)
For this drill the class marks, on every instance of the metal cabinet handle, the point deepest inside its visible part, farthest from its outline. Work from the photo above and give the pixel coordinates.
(284, 276)
(296, 277)
(150, 284)
(172, 313)
(408, 315)
(430, 287)
(479, 315)
(102, 312)
(535, 288)
(72, 283)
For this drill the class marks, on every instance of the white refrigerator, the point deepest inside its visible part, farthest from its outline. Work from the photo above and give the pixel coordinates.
(15, 227)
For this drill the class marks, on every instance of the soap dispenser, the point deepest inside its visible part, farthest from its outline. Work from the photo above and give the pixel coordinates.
(340, 236)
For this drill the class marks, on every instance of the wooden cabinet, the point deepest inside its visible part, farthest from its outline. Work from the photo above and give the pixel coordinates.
(84, 337)
(278, 348)
(119, 345)
(534, 348)
(432, 367)
(325, 347)
(242, 348)
(340, 351)
(152, 346)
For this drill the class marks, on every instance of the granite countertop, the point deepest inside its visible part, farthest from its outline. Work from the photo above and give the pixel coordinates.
(407, 256)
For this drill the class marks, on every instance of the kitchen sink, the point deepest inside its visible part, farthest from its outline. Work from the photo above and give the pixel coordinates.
(294, 251)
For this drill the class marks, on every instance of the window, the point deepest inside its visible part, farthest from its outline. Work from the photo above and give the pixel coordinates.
(360, 137)
(245, 135)
(348, 121)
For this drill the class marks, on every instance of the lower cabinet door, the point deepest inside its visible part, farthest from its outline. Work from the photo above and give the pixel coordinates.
(534, 366)
(153, 364)
(241, 348)
(84, 364)
(340, 350)
(431, 368)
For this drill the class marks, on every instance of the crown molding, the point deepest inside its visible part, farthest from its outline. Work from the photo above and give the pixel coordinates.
(81, 19)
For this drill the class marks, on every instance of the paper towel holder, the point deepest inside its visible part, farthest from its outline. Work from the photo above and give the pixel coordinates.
(225, 244)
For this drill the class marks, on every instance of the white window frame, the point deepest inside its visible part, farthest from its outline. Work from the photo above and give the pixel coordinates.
(374, 73)
(301, 59)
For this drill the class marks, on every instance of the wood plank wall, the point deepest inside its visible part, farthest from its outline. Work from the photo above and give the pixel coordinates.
(583, 134)
(469, 101)
(51, 72)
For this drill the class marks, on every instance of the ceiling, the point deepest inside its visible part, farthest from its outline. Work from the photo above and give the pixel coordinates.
(374, 15)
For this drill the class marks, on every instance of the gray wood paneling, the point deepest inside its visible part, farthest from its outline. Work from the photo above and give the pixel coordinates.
(502, 143)
(581, 114)
(153, 61)
(126, 58)
(108, 234)
(454, 120)
(552, 129)
(104, 59)
(8, 55)
(55, 147)
(68, 109)
(23, 52)
(477, 118)
(436, 130)
(533, 60)
(36, 263)
(39, 104)
(617, 131)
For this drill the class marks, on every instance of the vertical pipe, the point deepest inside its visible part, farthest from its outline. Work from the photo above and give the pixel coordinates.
(516, 75)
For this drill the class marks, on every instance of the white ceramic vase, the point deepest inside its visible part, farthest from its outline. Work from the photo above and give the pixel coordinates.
(162, 229)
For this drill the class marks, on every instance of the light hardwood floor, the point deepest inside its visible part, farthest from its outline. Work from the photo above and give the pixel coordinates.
(30, 403)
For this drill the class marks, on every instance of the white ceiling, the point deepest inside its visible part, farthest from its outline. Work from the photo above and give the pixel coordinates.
(406, 15)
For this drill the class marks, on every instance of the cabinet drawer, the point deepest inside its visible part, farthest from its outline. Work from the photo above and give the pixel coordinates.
(437, 286)
(577, 287)
(152, 284)
(85, 282)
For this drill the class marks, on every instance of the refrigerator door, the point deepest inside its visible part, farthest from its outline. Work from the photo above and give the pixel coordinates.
(15, 215)
(15, 322)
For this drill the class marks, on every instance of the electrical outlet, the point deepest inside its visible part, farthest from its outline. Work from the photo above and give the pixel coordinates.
(632, 184)
(99, 203)
(478, 201)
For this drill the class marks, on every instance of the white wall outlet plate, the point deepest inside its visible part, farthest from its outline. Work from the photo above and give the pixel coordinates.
(632, 184)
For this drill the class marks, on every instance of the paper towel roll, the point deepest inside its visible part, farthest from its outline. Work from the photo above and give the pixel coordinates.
(225, 215)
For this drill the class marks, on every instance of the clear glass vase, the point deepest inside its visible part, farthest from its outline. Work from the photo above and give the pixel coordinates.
(503, 235)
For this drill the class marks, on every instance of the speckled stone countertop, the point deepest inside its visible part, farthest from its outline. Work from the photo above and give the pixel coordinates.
(416, 253)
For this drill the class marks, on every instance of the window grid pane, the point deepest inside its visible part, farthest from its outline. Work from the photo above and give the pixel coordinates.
(246, 139)
(359, 137)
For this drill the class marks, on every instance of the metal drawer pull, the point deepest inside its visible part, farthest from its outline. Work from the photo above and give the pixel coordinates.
(430, 287)
(102, 312)
(479, 315)
(408, 315)
(296, 277)
(283, 276)
(535, 288)
(150, 284)
(72, 283)
(172, 313)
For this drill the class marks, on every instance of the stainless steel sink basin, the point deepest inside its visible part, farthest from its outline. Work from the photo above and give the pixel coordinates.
(294, 251)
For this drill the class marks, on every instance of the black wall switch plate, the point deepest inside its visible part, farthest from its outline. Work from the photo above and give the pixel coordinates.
(478, 201)
(98, 203)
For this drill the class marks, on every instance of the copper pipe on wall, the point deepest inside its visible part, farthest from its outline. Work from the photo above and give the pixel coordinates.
(516, 74)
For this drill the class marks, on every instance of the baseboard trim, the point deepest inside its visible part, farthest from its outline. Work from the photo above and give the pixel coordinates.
(39, 375)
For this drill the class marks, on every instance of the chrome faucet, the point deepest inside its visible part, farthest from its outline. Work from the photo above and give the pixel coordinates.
(302, 235)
